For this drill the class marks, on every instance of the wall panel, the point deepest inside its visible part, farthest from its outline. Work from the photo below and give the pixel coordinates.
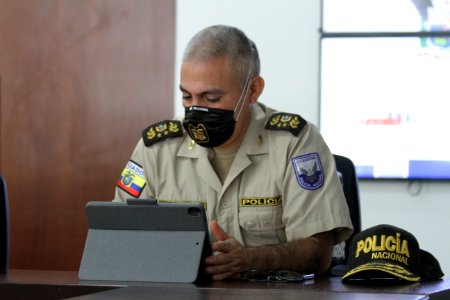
(79, 81)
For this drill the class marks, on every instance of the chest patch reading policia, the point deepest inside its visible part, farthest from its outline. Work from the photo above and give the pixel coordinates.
(258, 201)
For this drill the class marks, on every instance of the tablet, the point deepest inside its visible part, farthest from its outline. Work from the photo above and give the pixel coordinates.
(143, 240)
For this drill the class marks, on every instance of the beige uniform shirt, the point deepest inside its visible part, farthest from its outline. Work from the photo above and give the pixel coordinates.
(264, 200)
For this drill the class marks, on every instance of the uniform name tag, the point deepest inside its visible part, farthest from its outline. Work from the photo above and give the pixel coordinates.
(265, 201)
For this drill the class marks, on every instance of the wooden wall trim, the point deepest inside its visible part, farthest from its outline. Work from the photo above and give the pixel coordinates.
(80, 80)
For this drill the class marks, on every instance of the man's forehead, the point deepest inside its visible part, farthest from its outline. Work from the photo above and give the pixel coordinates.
(208, 76)
(222, 63)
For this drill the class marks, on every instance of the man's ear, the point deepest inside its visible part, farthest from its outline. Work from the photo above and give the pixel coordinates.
(256, 89)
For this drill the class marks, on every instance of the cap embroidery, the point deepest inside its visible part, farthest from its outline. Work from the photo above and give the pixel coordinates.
(385, 247)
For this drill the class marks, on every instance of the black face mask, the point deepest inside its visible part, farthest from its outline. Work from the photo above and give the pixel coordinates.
(209, 127)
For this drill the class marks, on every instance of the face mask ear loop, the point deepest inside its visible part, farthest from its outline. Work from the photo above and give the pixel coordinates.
(244, 92)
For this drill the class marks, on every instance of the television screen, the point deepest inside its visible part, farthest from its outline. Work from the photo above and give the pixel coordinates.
(385, 104)
(385, 15)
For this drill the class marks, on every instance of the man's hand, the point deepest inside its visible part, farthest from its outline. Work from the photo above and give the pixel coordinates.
(229, 260)
(309, 255)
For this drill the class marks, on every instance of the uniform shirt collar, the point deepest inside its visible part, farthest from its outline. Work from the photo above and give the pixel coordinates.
(255, 140)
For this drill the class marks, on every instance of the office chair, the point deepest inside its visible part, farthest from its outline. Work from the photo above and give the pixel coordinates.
(4, 226)
(347, 175)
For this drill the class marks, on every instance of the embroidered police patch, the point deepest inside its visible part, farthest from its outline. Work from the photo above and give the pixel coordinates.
(261, 201)
(288, 122)
(132, 179)
(161, 131)
(308, 170)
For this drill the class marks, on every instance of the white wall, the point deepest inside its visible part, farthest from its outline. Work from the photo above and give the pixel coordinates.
(286, 33)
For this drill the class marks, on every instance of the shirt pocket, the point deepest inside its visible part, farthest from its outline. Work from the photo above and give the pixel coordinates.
(262, 225)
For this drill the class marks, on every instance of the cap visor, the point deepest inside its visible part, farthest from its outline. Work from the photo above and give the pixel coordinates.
(364, 272)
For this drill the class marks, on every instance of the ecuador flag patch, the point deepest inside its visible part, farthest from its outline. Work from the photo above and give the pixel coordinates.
(132, 179)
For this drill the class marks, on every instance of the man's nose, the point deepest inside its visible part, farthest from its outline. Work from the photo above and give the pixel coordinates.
(196, 101)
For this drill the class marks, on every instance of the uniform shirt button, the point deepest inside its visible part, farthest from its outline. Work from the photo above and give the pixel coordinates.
(225, 205)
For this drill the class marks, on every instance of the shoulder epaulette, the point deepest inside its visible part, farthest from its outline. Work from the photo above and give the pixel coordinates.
(287, 122)
(162, 130)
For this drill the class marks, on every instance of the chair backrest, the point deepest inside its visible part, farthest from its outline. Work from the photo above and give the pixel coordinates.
(347, 175)
(4, 226)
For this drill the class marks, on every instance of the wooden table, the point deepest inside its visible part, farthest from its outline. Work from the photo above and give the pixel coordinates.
(36, 284)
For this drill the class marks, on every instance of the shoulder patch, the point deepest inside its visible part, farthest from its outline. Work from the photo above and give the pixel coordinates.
(160, 131)
(308, 170)
(132, 179)
(287, 122)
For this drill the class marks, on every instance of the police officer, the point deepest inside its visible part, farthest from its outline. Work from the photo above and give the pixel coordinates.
(266, 178)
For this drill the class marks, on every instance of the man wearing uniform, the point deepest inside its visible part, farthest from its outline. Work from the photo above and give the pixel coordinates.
(267, 179)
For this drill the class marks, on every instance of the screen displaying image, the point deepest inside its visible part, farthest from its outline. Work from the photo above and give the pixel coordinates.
(385, 15)
(385, 103)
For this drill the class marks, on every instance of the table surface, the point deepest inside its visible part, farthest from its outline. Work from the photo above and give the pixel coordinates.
(21, 284)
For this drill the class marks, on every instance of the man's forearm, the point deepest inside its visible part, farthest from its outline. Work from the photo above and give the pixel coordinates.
(310, 255)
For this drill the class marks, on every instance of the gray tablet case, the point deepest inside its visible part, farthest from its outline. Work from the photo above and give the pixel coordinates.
(145, 242)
